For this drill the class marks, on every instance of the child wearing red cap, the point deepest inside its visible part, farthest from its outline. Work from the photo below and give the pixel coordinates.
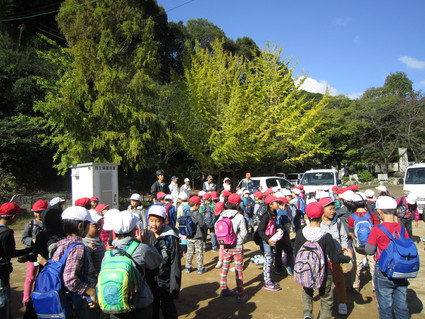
(313, 233)
(234, 252)
(8, 212)
(31, 229)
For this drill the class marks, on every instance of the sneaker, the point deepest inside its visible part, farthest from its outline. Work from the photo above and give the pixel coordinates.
(188, 269)
(342, 309)
(219, 264)
(201, 271)
(271, 286)
(278, 271)
(307, 317)
(232, 269)
(227, 293)
(289, 271)
(242, 298)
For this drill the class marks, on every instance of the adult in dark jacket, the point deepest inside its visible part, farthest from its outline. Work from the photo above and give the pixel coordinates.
(167, 279)
(159, 185)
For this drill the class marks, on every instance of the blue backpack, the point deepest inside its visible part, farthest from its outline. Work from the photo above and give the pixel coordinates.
(248, 205)
(400, 260)
(50, 297)
(362, 228)
(187, 227)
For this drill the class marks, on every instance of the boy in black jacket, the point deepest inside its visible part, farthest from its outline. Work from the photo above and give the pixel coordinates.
(314, 233)
(8, 212)
(167, 280)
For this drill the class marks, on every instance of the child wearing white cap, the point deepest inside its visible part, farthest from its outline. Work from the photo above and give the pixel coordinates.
(167, 280)
(76, 221)
(124, 225)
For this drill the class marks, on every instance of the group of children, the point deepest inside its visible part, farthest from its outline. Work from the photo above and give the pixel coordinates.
(178, 225)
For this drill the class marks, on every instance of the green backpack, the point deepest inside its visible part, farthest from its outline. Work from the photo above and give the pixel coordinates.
(118, 284)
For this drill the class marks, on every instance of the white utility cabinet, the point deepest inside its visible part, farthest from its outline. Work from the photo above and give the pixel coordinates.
(95, 179)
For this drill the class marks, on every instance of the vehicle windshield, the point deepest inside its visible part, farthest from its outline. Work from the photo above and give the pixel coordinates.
(415, 175)
(318, 178)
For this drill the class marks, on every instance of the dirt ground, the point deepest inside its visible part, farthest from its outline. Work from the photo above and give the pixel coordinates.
(199, 296)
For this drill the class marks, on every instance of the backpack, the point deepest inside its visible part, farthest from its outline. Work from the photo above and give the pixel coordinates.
(209, 217)
(400, 260)
(224, 231)
(167, 214)
(187, 227)
(362, 228)
(50, 297)
(402, 210)
(271, 227)
(248, 204)
(118, 283)
(309, 266)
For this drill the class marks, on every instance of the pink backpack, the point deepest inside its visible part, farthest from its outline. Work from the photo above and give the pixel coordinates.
(224, 232)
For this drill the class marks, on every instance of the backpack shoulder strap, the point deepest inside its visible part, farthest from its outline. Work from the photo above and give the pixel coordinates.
(68, 250)
(386, 232)
(129, 251)
(355, 217)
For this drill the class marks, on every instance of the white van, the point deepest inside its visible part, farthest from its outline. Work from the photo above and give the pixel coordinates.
(414, 182)
(323, 179)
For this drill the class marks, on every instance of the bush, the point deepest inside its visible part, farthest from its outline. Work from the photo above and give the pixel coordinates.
(365, 176)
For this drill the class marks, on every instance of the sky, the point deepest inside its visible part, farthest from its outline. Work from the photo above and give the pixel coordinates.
(345, 46)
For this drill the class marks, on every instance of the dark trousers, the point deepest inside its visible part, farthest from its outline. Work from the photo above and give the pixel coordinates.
(145, 313)
(164, 302)
(407, 224)
(284, 244)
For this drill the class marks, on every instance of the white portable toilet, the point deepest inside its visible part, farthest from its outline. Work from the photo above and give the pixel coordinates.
(95, 179)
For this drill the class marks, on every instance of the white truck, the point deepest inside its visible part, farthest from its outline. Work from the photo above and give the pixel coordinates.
(320, 179)
(414, 182)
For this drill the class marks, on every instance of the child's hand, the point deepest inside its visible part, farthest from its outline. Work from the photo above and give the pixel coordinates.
(271, 243)
(41, 260)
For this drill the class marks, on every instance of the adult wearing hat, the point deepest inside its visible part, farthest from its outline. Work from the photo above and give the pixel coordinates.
(186, 188)
(247, 183)
(209, 185)
(174, 189)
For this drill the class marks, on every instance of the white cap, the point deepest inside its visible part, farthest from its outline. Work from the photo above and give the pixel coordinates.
(275, 189)
(226, 179)
(56, 200)
(157, 210)
(358, 197)
(369, 193)
(382, 188)
(321, 194)
(182, 196)
(120, 222)
(168, 197)
(296, 191)
(95, 215)
(278, 194)
(286, 192)
(411, 199)
(77, 213)
(386, 202)
(246, 191)
(187, 180)
(347, 195)
(201, 193)
(135, 196)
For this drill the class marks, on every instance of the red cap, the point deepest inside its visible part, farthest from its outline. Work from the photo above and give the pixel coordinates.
(85, 201)
(160, 195)
(283, 200)
(259, 194)
(218, 208)
(9, 209)
(300, 186)
(195, 200)
(214, 195)
(270, 199)
(268, 191)
(355, 187)
(314, 210)
(94, 198)
(39, 205)
(207, 196)
(334, 188)
(247, 175)
(101, 207)
(225, 193)
(325, 201)
(234, 199)
(341, 190)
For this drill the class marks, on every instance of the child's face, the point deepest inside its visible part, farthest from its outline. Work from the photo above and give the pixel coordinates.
(161, 177)
(94, 203)
(274, 205)
(37, 216)
(155, 223)
(187, 182)
(134, 203)
(329, 212)
(93, 230)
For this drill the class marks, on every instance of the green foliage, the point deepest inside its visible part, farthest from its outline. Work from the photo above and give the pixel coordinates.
(365, 176)
(102, 107)
(240, 111)
(8, 185)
